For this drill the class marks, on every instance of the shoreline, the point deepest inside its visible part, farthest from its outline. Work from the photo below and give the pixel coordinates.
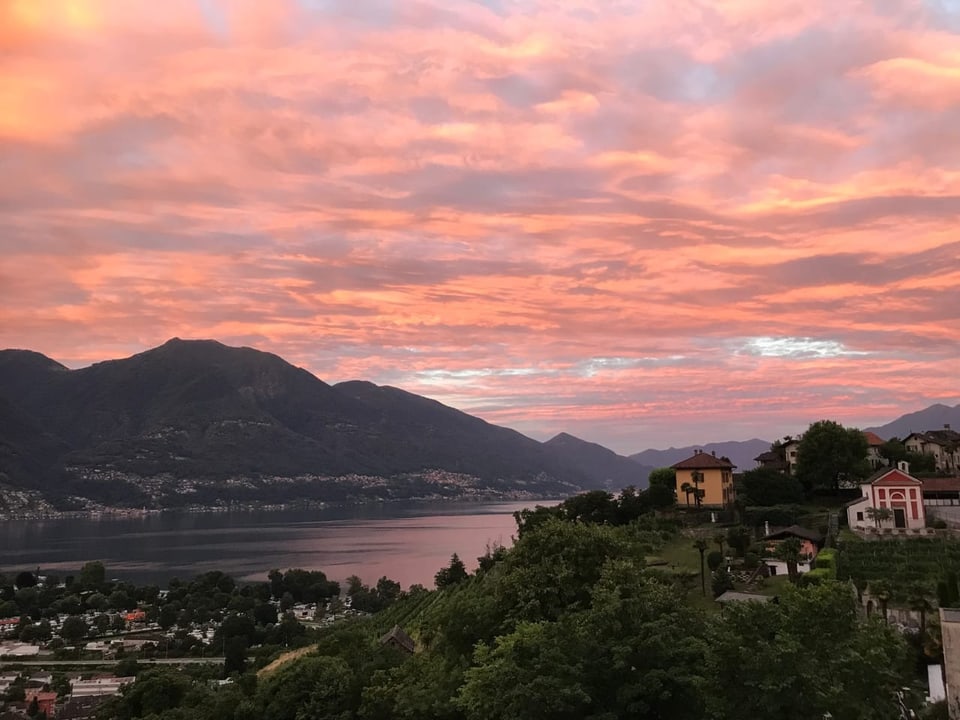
(111, 513)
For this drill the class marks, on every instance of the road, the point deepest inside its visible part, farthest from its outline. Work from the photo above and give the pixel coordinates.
(153, 661)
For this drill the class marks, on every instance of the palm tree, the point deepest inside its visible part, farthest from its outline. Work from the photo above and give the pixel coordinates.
(697, 478)
(720, 539)
(701, 545)
(789, 552)
(918, 598)
(881, 590)
(687, 489)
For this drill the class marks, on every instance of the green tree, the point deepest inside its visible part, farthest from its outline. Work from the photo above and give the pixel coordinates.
(765, 486)
(720, 539)
(93, 574)
(739, 538)
(893, 450)
(687, 489)
(234, 655)
(314, 687)
(830, 454)
(721, 582)
(74, 629)
(455, 572)
(772, 660)
(665, 476)
(596, 506)
(879, 515)
(882, 591)
(918, 597)
(700, 545)
(789, 551)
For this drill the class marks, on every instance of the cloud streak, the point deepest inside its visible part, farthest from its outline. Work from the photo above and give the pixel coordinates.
(653, 224)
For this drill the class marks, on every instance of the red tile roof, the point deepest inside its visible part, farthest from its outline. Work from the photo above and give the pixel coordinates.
(704, 461)
(873, 439)
(941, 484)
(894, 477)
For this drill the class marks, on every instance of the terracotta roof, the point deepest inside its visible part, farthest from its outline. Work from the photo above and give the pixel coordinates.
(892, 476)
(873, 439)
(941, 484)
(704, 461)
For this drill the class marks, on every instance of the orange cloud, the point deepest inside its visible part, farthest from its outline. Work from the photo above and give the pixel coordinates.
(574, 217)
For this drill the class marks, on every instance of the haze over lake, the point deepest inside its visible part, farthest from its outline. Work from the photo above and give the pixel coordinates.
(407, 542)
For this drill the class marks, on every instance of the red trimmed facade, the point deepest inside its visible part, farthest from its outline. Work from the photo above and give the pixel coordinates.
(894, 490)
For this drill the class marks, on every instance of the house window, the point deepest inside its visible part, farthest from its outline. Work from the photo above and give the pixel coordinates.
(860, 516)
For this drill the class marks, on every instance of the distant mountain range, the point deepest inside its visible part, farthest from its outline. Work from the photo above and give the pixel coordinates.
(740, 453)
(931, 418)
(197, 422)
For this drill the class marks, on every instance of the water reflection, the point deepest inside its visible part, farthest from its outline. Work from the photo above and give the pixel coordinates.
(408, 542)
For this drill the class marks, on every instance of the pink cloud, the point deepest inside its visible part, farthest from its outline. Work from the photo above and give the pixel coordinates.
(582, 217)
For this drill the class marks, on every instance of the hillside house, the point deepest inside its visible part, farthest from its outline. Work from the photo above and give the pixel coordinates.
(810, 544)
(790, 448)
(711, 475)
(942, 445)
(771, 459)
(893, 489)
(46, 701)
(874, 444)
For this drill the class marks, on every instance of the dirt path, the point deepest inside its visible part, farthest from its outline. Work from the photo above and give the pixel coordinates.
(285, 658)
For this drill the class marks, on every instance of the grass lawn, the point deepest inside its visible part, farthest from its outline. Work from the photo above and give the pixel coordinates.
(682, 557)
(772, 586)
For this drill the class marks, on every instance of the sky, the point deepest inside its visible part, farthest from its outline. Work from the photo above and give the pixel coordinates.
(643, 222)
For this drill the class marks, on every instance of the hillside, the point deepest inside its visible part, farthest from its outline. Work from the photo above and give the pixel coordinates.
(741, 453)
(931, 418)
(199, 422)
(616, 471)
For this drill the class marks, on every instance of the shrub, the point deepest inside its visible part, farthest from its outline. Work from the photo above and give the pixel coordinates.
(775, 515)
(751, 561)
(827, 560)
(939, 524)
(721, 582)
(815, 577)
(714, 560)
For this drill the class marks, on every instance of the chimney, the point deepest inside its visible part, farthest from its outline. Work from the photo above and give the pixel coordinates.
(714, 453)
(946, 426)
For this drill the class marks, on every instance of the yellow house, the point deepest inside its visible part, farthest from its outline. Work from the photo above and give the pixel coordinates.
(708, 474)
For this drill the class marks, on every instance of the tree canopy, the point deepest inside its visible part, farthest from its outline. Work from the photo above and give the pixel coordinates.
(830, 455)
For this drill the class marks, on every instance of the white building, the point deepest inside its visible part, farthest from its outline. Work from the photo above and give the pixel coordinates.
(892, 489)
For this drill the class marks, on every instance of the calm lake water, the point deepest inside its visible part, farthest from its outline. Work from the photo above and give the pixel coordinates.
(407, 542)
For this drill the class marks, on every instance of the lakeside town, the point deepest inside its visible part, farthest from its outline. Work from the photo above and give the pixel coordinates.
(858, 513)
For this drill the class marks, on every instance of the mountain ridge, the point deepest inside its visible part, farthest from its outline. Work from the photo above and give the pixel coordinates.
(198, 421)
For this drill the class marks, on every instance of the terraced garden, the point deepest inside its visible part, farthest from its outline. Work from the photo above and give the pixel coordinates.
(901, 563)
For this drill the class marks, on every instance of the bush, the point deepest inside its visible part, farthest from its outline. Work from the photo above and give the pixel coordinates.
(827, 560)
(939, 524)
(751, 561)
(815, 577)
(714, 560)
(721, 582)
(775, 515)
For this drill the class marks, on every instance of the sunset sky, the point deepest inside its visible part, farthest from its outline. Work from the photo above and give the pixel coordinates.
(642, 222)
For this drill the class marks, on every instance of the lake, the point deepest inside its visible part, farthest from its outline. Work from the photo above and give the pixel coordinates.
(407, 542)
